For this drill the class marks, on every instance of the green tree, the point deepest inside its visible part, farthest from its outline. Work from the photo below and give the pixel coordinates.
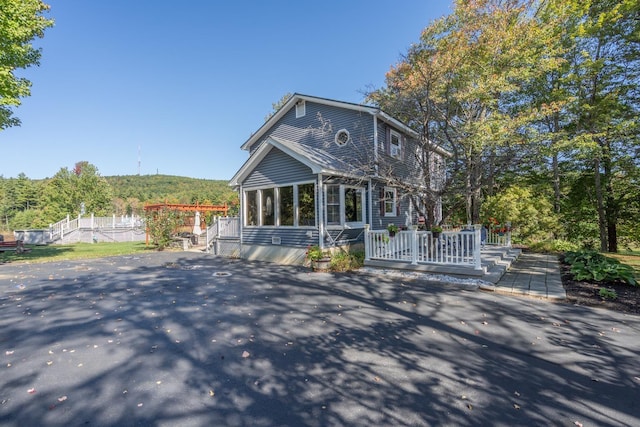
(604, 81)
(277, 105)
(461, 86)
(589, 116)
(20, 22)
(71, 190)
(530, 214)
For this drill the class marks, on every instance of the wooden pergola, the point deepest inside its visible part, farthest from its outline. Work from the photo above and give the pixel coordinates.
(221, 209)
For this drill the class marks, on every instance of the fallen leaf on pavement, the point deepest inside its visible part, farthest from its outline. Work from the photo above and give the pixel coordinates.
(245, 354)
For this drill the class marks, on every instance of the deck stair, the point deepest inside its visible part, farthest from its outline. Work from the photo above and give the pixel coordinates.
(495, 260)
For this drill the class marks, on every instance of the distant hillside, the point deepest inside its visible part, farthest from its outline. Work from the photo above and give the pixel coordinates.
(174, 189)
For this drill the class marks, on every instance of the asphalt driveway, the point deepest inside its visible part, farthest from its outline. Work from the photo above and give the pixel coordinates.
(166, 339)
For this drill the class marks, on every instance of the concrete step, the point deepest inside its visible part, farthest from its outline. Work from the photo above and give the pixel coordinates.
(498, 262)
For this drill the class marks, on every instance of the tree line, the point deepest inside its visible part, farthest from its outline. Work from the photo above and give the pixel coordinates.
(537, 101)
(27, 203)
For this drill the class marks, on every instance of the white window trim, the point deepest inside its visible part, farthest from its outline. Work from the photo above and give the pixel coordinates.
(276, 207)
(343, 221)
(301, 108)
(392, 146)
(394, 211)
(339, 144)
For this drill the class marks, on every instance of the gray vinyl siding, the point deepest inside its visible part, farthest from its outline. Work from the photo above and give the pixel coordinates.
(401, 167)
(379, 221)
(292, 237)
(278, 168)
(318, 127)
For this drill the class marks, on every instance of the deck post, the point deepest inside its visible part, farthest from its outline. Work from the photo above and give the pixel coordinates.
(414, 245)
(367, 243)
(477, 261)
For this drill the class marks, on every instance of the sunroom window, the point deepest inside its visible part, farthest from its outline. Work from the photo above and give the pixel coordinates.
(333, 205)
(306, 205)
(268, 207)
(292, 205)
(286, 210)
(251, 216)
(344, 205)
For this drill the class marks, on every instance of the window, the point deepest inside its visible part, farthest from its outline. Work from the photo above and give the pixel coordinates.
(292, 205)
(344, 205)
(251, 210)
(286, 205)
(395, 145)
(306, 205)
(333, 204)
(353, 205)
(301, 109)
(268, 207)
(390, 201)
(342, 137)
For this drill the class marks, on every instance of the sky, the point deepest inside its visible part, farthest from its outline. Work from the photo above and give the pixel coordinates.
(175, 88)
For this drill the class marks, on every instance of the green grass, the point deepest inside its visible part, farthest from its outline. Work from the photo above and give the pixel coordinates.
(630, 258)
(39, 254)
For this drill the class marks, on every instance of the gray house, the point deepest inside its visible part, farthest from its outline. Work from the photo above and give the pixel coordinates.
(314, 177)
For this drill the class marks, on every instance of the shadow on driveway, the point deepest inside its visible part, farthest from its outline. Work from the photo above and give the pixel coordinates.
(191, 340)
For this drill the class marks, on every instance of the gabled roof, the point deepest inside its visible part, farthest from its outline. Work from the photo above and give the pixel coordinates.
(319, 161)
(375, 111)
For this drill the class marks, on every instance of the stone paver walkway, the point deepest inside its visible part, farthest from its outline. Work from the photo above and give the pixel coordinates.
(534, 275)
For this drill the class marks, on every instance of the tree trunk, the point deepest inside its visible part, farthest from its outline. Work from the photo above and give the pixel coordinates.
(556, 183)
(602, 224)
(611, 207)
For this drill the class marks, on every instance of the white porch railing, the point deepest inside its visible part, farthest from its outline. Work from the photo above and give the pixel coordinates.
(500, 238)
(459, 248)
(223, 227)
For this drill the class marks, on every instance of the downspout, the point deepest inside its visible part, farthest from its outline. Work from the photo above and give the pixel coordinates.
(375, 144)
(320, 207)
(375, 166)
(243, 202)
(370, 202)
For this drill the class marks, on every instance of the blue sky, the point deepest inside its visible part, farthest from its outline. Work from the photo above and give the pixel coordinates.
(180, 86)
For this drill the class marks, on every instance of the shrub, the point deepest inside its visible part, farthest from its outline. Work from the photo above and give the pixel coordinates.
(607, 293)
(314, 253)
(592, 265)
(346, 261)
(162, 225)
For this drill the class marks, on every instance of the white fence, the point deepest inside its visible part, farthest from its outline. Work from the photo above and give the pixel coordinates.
(58, 230)
(460, 248)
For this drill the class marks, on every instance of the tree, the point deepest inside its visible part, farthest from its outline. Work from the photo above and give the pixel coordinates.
(604, 81)
(277, 105)
(71, 190)
(589, 112)
(20, 22)
(460, 86)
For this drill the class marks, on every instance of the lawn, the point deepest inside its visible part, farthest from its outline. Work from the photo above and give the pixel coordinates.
(630, 258)
(39, 254)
